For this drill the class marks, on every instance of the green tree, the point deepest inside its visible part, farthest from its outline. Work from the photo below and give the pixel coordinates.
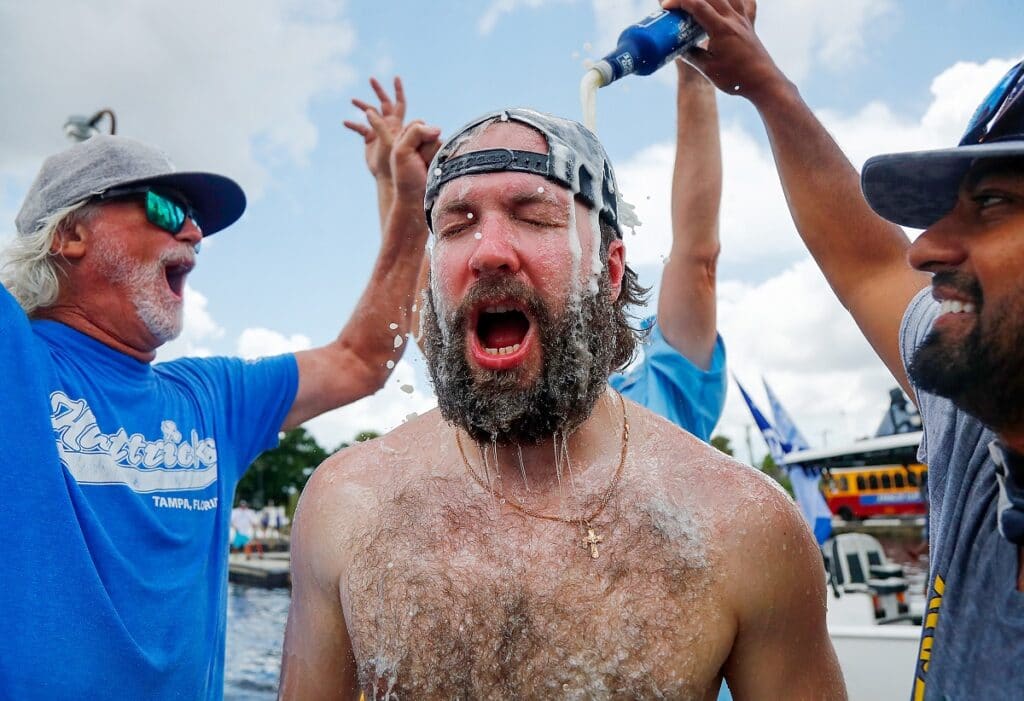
(278, 473)
(722, 443)
(770, 468)
(366, 435)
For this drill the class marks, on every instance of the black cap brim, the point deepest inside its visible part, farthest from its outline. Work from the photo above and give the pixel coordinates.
(217, 201)
(918, 188)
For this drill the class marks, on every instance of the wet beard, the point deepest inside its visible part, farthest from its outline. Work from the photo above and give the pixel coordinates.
(577, 349)
(984, 374)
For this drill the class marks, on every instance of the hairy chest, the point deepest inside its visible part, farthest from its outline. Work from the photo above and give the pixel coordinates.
(471, 601)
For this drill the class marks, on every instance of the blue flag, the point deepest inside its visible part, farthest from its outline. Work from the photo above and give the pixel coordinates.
(783, 438)
(776, 446)
(783, 423)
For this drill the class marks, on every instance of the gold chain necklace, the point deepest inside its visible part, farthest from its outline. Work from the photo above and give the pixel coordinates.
(590, 538)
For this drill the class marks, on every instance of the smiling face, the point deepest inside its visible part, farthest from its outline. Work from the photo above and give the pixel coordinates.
(976, 252)
(136, 273)
(517, 344)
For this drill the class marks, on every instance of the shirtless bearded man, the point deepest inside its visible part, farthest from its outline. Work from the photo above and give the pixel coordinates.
(538, 536)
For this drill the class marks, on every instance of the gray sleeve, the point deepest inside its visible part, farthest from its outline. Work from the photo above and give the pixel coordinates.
(917, 322)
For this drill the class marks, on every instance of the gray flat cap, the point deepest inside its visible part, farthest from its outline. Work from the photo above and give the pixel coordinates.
(104, 162)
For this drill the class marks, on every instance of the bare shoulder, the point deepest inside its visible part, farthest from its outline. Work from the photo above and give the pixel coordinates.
(748, 515)
(346, 489)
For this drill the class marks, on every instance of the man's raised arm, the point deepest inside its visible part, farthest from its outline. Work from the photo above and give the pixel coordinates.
(355, 364)
(862, 256)
(686, 303)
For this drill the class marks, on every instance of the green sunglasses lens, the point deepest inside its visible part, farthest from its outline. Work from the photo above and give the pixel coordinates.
(164, 212)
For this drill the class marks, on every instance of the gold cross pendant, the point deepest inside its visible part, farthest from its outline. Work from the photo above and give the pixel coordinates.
(591, 541)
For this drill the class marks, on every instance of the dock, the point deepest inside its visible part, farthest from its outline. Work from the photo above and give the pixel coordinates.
(881, 527)
(272, 571)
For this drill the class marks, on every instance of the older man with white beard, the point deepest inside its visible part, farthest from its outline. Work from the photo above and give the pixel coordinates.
(539, 536)
(118, 474)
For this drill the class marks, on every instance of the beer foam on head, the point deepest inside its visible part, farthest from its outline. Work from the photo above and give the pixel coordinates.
(573, 152)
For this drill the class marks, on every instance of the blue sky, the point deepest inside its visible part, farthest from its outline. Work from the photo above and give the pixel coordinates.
(258, 89)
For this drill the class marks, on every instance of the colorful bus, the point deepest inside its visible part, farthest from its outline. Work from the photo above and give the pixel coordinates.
(872, 477)
(879, 490)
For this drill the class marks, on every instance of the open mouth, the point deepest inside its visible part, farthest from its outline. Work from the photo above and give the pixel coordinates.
(176, 274)
(502, 335)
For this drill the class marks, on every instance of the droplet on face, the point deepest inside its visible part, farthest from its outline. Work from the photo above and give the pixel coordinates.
(391, 364)
(540, 190)
(392, 326)
(478, 236)
(399, 340)
(469, 215)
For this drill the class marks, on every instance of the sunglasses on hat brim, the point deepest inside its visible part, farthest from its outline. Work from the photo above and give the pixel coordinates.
(1001, 113)
(165, 210)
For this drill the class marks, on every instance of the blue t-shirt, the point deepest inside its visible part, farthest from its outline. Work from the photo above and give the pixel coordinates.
(973, 635)
(117, 478)
(671, 386)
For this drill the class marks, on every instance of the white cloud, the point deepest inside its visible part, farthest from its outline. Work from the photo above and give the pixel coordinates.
(494, 11)
(259, 342)
(755, 221)
(382, 412)
(199, 329)
(806, 34)
(222, 86)
(792, 330)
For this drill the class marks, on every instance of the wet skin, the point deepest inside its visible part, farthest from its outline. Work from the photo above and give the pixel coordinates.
(410, 580)
(415, 581)
(517, 225)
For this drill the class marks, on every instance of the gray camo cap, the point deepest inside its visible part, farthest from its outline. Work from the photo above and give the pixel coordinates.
(104, 162)
(575, 160)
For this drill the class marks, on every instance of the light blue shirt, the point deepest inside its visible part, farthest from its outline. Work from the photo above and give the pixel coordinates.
(671, 386)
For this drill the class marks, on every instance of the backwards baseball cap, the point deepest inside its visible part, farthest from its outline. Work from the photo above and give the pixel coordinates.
(105, 162)
(917, 189)
(575, 160)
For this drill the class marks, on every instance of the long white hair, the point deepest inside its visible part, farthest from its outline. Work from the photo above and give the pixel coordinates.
(29, 268)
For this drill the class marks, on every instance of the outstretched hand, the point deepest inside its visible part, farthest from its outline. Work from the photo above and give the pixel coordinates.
(734, 58)
(411, 154)
(382, 127)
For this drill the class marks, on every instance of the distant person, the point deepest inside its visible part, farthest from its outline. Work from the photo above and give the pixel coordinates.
(540, 536)
(115, 547)
(273, 519)
(245, 521)
(682, 374)
(955, 345)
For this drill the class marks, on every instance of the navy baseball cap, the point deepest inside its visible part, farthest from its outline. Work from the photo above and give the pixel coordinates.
(918, 188)
(106, 162)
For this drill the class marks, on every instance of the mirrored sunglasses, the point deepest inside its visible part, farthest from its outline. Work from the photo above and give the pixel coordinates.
(164, 210)
(1001, 113)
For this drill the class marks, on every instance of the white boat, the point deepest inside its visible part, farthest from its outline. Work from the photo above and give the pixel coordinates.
(874, 622)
